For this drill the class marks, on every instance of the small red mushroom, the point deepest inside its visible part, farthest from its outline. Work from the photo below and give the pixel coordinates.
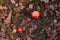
(36, 14)
(20, 30)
